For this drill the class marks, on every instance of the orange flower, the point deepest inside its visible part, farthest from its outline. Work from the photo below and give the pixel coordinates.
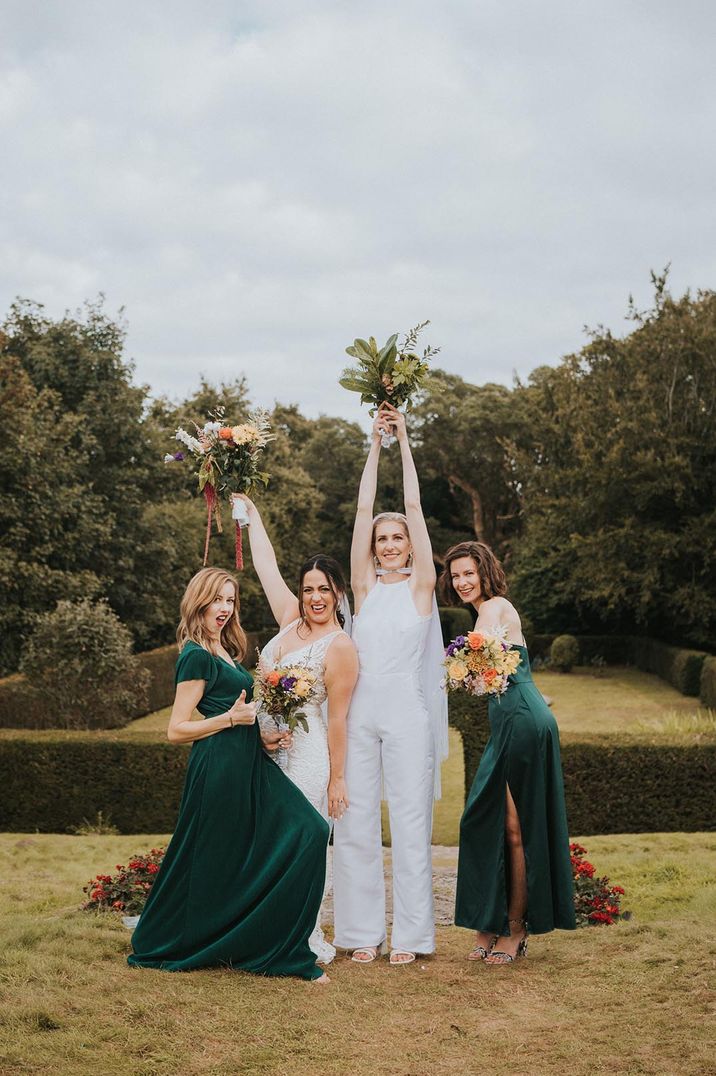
(225, 433)
(475, 640)
(273, 678)
(489, 675)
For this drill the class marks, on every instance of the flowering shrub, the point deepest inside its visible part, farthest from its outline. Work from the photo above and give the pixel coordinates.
(595, 900)
(128, 889)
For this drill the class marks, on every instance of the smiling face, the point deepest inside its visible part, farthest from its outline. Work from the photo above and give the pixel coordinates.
(391, 544)
(465, 579)
(219, 611)
(317, 598)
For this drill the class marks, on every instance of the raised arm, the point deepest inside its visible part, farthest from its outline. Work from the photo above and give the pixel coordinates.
(362, 569)
(424, 576)
(284, 604)
(340, 676)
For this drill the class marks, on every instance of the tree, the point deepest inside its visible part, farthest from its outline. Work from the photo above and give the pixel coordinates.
(464, 437)
(620, 483)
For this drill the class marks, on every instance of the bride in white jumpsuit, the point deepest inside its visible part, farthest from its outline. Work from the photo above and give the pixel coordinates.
(397, 725)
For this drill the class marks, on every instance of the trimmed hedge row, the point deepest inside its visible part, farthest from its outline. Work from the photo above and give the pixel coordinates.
(613, 784)
(707, 694)
(615, 649)
(680, 667)
(21, 708)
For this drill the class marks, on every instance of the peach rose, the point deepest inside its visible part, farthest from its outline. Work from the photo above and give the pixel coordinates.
(225, 433)
(273, 678)
(475, 640)
(489, 675)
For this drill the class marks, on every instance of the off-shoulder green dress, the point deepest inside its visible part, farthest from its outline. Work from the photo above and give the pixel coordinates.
(243, 876)
(522, 752)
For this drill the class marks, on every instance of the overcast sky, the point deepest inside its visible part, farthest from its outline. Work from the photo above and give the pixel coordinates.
(257, 183)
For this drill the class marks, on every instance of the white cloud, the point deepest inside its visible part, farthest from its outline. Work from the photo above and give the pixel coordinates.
(259, 183)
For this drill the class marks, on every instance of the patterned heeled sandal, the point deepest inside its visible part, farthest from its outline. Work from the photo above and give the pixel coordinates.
(480, 952)
(497, 957)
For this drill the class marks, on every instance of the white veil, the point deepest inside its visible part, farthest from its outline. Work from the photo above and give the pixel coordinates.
(434, 693)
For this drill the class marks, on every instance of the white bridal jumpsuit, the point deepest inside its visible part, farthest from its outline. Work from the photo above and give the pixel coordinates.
(397, 729)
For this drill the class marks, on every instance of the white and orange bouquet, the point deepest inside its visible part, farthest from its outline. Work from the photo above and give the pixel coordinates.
(480, 664)
(283, 690)
(228, 462)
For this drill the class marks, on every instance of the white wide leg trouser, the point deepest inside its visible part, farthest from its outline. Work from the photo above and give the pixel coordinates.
(387, 739)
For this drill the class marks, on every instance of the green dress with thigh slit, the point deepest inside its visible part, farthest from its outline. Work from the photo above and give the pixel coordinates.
(242, 878)
(522, 753)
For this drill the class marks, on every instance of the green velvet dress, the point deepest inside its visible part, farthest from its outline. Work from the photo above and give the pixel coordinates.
(522, 752)
(242, 878)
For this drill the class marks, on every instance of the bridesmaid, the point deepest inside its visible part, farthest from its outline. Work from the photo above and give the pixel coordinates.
(242, 878)
(515, 809)
(397, 727)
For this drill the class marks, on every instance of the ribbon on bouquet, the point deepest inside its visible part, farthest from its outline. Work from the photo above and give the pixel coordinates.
(238, 514)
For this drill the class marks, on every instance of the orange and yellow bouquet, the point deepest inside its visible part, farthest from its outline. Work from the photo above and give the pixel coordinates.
(479, 664)
(282, 691)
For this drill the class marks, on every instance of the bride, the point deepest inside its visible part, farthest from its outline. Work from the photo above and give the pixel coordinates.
(311, 633)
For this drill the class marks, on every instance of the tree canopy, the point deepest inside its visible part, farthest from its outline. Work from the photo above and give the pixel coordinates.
(594, 479)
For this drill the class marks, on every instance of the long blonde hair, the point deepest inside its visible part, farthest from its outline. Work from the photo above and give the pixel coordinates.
(203, 589)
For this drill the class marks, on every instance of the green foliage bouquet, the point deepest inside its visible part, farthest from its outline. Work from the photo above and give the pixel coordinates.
(393, 373)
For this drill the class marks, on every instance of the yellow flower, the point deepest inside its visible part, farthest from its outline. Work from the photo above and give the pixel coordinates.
(456, 670)
(301, 688)
(244, 433)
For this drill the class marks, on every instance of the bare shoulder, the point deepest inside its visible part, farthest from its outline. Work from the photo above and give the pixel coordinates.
(343, 644)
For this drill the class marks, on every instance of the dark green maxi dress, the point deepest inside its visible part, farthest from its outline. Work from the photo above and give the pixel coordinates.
(242, 879)
(522, 752)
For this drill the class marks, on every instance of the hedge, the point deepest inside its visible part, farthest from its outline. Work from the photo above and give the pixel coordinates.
(615, 649)
(680, 667)
(20, 708)
(615, 784)
(707, 694)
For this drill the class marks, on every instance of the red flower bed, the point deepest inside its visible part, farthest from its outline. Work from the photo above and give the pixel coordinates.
(596, 901)
(128, 889)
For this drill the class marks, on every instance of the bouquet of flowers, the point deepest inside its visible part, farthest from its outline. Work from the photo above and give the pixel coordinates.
(228, 462)
(479, 664)
(282, 691)
(393, 373)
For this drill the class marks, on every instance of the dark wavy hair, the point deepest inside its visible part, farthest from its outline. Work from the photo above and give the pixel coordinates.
(336, 581)
(493, 583)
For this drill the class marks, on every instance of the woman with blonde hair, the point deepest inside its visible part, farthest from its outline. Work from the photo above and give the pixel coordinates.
(242, 878)
(397, 725)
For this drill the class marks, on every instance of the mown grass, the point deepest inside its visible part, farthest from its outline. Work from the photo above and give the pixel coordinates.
(633, 998)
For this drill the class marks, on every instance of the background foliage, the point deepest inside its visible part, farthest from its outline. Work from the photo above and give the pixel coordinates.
(595, 480)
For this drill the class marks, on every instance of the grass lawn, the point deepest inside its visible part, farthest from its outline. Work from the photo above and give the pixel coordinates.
(633, 998)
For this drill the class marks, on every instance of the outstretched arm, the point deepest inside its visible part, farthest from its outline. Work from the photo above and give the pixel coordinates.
(341, 675)
(284, 604)
(362, 570)
(423, 577)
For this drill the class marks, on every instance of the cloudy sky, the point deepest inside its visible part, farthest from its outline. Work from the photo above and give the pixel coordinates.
(257, 183)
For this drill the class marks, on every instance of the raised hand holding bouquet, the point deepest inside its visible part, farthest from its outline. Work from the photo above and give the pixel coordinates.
(392, 374)
(228, 458)
(479, 664)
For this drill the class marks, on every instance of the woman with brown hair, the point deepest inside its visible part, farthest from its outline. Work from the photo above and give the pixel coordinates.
(242, 878)
(514, 870)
